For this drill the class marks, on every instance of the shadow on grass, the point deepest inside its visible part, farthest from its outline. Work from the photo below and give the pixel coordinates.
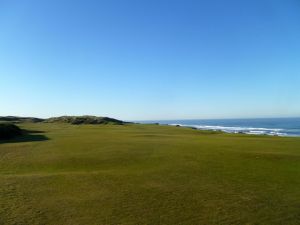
(27, 136)
(33, 131)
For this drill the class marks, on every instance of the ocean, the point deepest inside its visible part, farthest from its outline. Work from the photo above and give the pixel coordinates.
(269, 126)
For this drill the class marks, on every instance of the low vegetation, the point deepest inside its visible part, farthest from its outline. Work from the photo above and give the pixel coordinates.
(148, 174)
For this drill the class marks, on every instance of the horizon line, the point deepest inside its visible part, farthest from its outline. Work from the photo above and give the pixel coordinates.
(134, 120)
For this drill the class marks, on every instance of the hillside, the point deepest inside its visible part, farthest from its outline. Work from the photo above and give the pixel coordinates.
(84, 120)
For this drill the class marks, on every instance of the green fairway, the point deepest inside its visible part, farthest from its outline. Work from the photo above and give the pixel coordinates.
(147, 174)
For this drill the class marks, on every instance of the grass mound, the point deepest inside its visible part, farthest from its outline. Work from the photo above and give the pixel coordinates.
(84, 120)
(8, 131)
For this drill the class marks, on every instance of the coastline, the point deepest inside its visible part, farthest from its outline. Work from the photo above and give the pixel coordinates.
(235, 130)
(283, 127)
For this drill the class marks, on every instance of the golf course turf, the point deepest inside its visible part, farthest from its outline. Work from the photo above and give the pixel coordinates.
(147, 174)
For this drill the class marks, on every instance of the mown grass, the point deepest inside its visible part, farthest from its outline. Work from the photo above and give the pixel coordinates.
(148, 174)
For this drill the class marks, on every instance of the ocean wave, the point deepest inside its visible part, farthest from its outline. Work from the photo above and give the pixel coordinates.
(245, 130)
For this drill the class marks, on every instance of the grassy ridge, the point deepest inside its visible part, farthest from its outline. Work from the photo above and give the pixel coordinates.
(77, 120)
(148, 174)
(16, 119)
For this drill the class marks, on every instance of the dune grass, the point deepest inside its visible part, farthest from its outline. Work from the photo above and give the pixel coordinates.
(147, 174)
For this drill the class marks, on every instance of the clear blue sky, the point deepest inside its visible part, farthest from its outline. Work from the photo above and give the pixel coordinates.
(151, 59)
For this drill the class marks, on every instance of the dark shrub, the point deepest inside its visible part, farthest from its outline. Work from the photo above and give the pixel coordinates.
(8, 131)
